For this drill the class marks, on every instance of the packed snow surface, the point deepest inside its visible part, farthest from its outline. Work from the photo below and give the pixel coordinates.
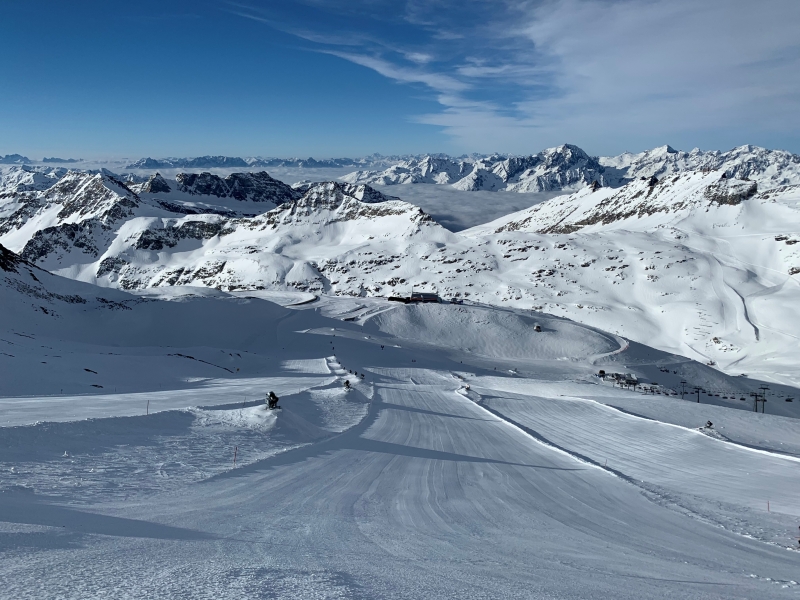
(473, 456)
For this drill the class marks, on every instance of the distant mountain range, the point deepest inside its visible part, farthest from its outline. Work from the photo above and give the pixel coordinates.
(696, 262)
(14, 159)
(235, 162)
(565, 167)
(569, 168)
(61, 161)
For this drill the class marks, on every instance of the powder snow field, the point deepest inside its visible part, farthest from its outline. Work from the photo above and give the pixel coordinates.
(475, 458)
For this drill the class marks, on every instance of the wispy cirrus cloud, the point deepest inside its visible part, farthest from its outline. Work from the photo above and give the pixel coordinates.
(609, 74)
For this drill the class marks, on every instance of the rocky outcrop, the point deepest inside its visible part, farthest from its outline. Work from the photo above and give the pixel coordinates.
(250, 187)
(9, 261)
(730, 191)
(85, 195)
(155, 185)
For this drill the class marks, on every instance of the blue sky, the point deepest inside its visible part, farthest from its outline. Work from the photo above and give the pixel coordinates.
(327, 78)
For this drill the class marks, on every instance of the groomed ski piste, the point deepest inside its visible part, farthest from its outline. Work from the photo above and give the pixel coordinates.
(473, 456)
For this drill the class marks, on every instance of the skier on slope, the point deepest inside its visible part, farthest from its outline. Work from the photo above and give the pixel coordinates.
(272, 401)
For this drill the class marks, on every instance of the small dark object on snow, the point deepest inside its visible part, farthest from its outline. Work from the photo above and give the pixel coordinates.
(652, 181)
(272, 401)
(709, 424)
(424, 297)
(595, 185)
(347, 384)
(362, 376)
(537, 328)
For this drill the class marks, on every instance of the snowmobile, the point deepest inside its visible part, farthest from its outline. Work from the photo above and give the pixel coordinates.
(272, 401)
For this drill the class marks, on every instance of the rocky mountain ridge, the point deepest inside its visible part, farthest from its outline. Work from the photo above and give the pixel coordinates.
(696, 263)
(563, 168)
(569, 168)
(646, 200)
(225, 162)
(14, 159)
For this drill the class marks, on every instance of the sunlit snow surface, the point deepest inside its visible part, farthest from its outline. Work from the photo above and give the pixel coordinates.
(475, 458)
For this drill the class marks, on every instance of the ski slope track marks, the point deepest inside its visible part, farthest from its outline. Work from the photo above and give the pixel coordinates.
(137, 457)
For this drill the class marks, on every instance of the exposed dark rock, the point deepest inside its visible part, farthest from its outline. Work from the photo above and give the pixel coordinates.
(70, 235)
(252, 187)
(112, 264)
(8, 260)
(730, 191)
(156, 185)
(168, 237)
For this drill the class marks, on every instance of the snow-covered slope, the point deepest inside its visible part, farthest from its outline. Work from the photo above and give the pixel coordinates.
(768, 168)
(647, 203)
(701, 265)
(94, 228)
(25, 178)
(696, 263)
(138, 459)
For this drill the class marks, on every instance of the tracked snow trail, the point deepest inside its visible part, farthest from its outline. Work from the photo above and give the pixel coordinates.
(428, 496)
(23, 411)
(718, 481)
